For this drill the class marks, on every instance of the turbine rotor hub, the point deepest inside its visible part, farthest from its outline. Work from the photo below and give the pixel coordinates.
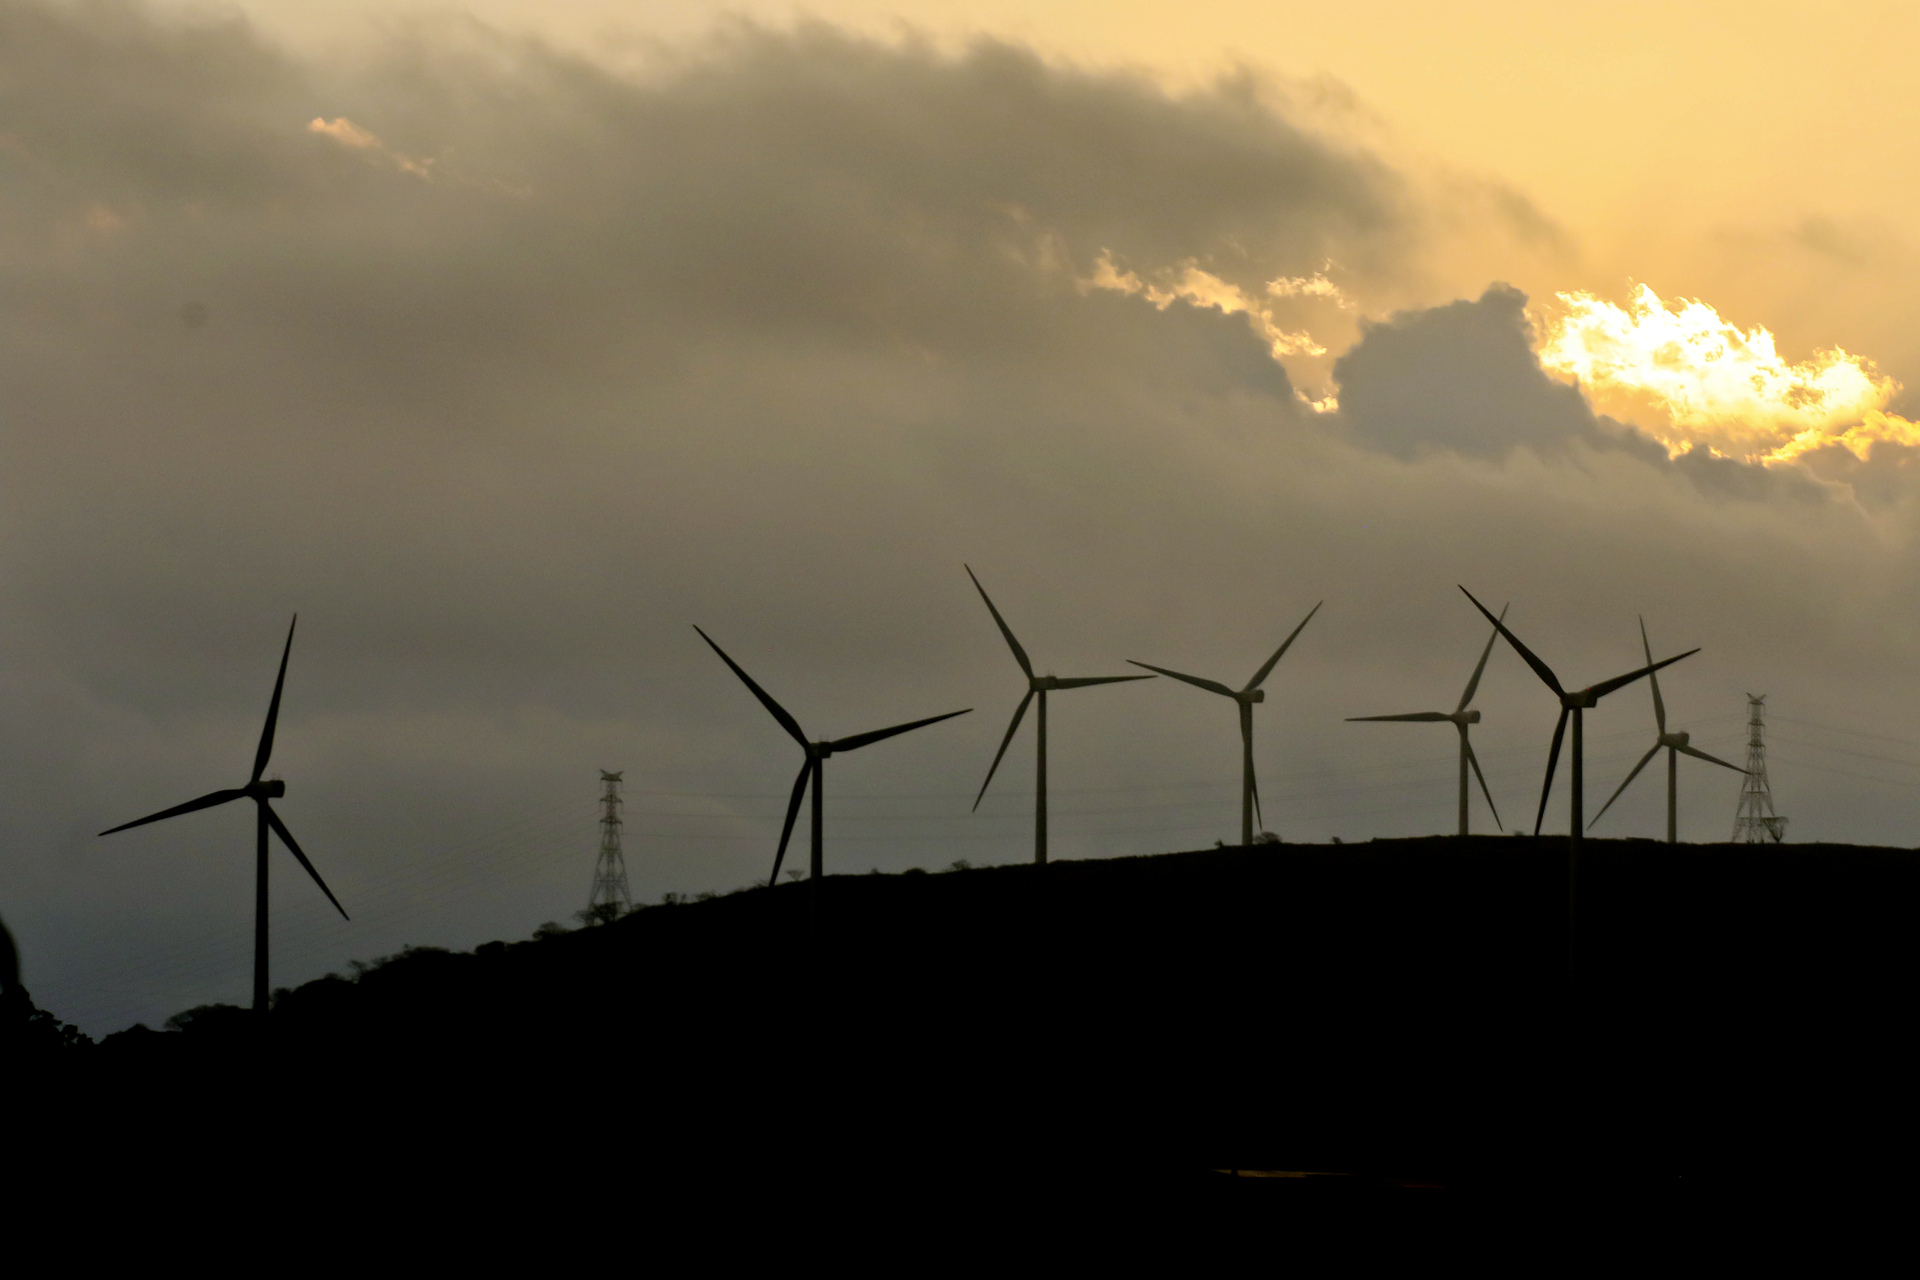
(820, 750)
(1679, 739)
(1250, 696)
(1583, 699)
(1043, 683)
(1466, 717)
(270, 789)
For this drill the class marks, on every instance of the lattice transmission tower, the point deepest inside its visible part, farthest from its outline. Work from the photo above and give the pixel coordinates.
(1755, 822)
(610, 898)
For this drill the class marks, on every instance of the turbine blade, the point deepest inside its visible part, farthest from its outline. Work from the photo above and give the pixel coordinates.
(207, 801)
(787, 722)
(1081, 682)
(1475, 762)
(1701, 755)
(1480, 666)
(793, 811)
(859, 740)
(1540, 668)
(1606, 687)
(1018, 711)
(293, 847)
(1211, 686)
(1019, 654)
(1261, 674)
(1424, 717)
(1651, 752)
(1659, 707)
(1553, 758)
(273, 708)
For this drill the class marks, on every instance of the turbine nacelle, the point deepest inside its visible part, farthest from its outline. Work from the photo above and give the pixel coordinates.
(1571, 704)
(815, 751)
(1460, 717)
(260, 790)
(1245, 698)
(1042, 686)
(1675, 742)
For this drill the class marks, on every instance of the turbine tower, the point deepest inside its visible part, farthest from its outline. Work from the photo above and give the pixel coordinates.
(1035, 685)
(1755, 822)
(260, 793)
(609, 898)
(1460, 718)
(1571, 704)
(1676, 745)
(1249, 789)
(817, 753)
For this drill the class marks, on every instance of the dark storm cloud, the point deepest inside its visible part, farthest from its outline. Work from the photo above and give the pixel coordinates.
(527, 365)
(1463, 377)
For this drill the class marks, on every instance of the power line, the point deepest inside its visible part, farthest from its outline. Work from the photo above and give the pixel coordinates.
(1855, 733)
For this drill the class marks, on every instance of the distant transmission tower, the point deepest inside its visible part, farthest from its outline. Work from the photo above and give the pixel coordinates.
(609, 899)
(1755, 822)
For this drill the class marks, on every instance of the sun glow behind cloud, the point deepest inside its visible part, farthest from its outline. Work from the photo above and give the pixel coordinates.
(1688, 377)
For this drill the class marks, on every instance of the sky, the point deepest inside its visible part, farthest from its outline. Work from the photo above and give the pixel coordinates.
(506, 343)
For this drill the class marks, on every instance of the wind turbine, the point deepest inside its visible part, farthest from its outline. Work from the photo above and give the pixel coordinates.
(817, 753)
(260, 793)
(1675, 743)
(1571, 704)
(1249, 789)
(1460, 717)
(1040, 685)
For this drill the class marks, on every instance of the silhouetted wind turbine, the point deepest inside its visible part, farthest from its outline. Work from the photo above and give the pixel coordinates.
(1460, 718)
(260, 793)
(1249, 789)
(817, 753)
(1040, 685)
(1573, 704)
(1675, 743)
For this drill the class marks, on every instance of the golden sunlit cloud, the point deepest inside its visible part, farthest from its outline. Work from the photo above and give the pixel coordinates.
(348, 134)
(1687, 377)
(343, 131)
(1314, 286)
(1189, 284)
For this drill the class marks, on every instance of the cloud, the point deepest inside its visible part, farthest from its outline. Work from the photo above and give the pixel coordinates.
(1695, 379)
(1198, 288)
(345, 132)
(1463, 377)
(1466, 378)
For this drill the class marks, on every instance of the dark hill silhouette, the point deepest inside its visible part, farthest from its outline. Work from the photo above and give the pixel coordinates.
(1392, 1009)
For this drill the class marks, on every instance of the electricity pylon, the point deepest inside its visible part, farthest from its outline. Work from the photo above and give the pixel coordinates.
(1755, 822)
(609, 899)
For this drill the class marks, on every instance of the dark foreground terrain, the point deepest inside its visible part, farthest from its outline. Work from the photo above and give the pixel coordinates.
(1399, 1011)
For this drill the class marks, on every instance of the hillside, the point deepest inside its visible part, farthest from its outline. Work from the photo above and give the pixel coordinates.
(1394, 1007)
